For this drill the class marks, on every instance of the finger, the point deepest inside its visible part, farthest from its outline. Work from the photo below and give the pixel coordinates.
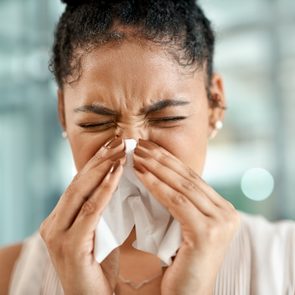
(77, 193)
(167, 159)
(178, 183)
(110, 150)
(92, 209)
(178, 205)
(86, 180)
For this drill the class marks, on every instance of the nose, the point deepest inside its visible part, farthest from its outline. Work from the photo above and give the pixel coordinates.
(132, 132)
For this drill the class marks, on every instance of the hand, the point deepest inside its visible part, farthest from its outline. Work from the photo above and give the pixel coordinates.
(208, 221)
(69, 230)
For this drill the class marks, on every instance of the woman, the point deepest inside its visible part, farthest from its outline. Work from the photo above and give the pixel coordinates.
(144, 70)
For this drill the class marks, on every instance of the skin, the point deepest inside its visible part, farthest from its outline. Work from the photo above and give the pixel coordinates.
(169, 160)
(8, 256)
(126, 79)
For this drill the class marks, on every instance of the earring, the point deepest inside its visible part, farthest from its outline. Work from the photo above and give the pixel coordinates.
(64, 134)
(217, 126)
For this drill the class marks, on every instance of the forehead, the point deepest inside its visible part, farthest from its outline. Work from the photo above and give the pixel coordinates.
(131, 72)
(125, 60)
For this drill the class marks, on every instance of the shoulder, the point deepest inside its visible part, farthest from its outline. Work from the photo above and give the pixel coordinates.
(272, 247)
(260, 228)
(269, 236)
(30, 265)
(8, 257)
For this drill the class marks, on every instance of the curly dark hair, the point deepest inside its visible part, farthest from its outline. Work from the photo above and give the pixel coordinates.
(178, 26)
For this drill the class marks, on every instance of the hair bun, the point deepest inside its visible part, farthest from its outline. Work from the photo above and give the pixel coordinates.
(70, 2)
(102, 2)
(75, 2)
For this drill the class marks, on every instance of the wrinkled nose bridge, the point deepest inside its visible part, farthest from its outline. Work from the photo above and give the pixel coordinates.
(130, 131)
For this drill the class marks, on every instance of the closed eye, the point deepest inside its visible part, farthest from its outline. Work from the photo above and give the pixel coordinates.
(163, 121)
(166, 121)
(101, 125)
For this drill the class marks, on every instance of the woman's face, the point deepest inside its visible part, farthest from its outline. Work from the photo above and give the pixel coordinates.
(136, 92)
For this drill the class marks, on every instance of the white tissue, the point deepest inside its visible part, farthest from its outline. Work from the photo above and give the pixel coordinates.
(156, 231)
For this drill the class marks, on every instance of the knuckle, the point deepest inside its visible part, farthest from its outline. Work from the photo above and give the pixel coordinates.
(230, 222)
(235, 219)
(57, 246)
(156, 164)
(164, 158)
(43, 229)
(99, 155)
(158, 155)
(178, 199)
(155, 183)
(51, 241)
(89, 207)
(77, 177)
(192, 173)
(106, 187)
(213, 233)
(190, 186)
(70, 190)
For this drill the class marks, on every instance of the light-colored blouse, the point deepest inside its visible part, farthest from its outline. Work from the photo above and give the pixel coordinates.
(260, 261)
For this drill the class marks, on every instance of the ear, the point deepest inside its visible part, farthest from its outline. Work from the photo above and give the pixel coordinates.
(61, 109)
(217, 103)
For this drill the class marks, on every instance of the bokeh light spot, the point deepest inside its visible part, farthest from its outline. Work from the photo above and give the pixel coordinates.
(257, 184)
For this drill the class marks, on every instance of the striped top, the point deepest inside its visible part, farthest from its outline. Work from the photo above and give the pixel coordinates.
(260, 261)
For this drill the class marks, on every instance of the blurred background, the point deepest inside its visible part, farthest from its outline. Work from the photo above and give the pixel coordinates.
(250, 162)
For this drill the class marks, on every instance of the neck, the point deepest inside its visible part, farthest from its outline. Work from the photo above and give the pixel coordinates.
(127, 245)
(135, 262)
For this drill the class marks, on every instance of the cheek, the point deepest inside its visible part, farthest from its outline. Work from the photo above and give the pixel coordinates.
(189, 144)
(84, 147)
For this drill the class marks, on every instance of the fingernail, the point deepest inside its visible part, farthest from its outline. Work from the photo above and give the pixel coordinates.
(115, 166)
(146, 143)
(140, 169)
(140, 141)
(113, 143)
(108, 143)
(139, 152)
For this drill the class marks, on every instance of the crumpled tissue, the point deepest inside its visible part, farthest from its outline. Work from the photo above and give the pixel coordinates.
(157, 232)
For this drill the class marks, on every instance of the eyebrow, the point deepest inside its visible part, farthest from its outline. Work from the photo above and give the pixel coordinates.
(97, 109)
(162, 104)
(157, 106)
